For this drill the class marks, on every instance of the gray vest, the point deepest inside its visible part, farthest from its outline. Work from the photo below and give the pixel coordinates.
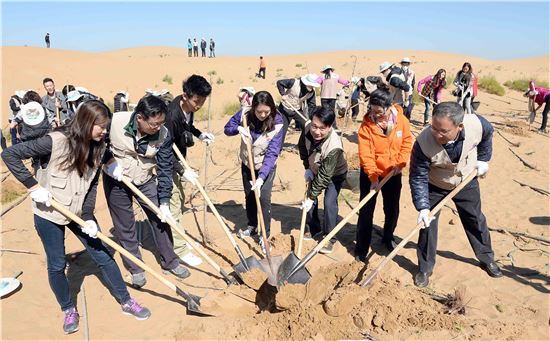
(259, 147)
(316, 157)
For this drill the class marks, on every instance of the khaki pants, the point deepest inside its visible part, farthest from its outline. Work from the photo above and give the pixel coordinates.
(181, 248)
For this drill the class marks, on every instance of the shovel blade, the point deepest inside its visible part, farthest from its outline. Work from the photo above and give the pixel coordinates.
(251, 263)
(287, 273)
(271, 271)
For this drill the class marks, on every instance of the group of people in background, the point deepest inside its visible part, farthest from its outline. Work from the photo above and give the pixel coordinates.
(74, 139)
(193, 47)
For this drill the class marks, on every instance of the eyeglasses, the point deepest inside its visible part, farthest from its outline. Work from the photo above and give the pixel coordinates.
(153, 125)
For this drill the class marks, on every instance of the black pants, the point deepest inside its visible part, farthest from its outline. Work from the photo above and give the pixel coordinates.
(468, 205)
(195, 51)
(265, 198)
(203, 52)
(355, 108)
(391, 193)
(261, 72)
(119, 201)
(330, 214)
(330, 104)
(407, 111)
(190, 52)
(289, 115)
(545, 113)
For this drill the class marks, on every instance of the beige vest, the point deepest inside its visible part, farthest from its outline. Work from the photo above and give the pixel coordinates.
(292, 97)
(316, 157)
(259, 147)
(444, 173)
(137, 167)
(398, 95)
(66, 187)
(329, 86)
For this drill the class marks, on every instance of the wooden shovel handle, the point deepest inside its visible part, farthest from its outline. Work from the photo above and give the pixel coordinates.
(350, 215)
(172, 224)
(296, 111)
(206, 198)
(251, 167)
(112, 244)
(426, 98)
(302, 228)
(419, 226)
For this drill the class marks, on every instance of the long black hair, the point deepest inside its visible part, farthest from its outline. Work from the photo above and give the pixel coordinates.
(264, 98)
(83, 151)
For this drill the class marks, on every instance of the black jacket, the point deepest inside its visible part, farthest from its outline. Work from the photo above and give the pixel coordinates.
(395, 81)
(420, 163)
(180, 130)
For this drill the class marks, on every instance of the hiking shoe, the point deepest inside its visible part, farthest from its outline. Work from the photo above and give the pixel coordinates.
(249, 231)
(421, 279)
(191, 260)
(308, 236)
(180, 271)
(327, 248)
(70, 323)
(138, 280)
(492, 269)
(542, 131)
(133, 308)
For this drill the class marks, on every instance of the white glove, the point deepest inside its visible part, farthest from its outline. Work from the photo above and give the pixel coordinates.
(164, 213)
(114, 170)
(373, 185)
(308, 175)
(41, 195)
(258, 185)
(207, 138)
(424, 216)
(190, 175)
(90, 228)
(406, 103)
(245, 134)
(482, 168)
(307, 204)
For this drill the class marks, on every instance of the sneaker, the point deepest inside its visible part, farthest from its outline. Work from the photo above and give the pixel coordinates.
(70, 323)
(191, 260)
(361, 258)
(327, 248)
(133, 308)
(422, 279)
(308, 236)
(180, 271)
(542, 131)
(262, 245)
(249, 231)
(138, 280)
(390, 244)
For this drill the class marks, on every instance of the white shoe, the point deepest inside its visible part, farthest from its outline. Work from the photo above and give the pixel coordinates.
(191, 260)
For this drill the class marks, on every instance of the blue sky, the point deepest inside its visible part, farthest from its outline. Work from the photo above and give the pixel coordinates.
(494, 30)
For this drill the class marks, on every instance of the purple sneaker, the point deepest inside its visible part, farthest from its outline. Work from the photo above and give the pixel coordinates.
(70, 324)
(133, 308)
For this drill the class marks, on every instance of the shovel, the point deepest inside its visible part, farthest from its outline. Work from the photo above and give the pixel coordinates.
(293, 269)
(246, 263)
(193, 302)
(419, 226)
(175, 227)
(272, 262)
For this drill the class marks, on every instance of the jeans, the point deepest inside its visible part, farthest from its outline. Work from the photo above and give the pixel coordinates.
(408, 110)
(203, 52)
(355, 108)
(468, 206)
(212, 53)
(428, 105)
(391, 194)
(53, 240)
(265, 198)
(313, 224)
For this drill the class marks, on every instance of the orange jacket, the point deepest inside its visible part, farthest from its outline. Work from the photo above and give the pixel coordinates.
(378, 153)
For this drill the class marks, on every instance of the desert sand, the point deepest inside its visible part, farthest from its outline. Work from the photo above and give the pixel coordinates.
(331, 305)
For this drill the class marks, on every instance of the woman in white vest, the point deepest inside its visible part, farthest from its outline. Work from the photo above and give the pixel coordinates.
(443, 155)
(298, 94)
(329, 87)
(69, 174)
(265, 127)
(322, 154)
